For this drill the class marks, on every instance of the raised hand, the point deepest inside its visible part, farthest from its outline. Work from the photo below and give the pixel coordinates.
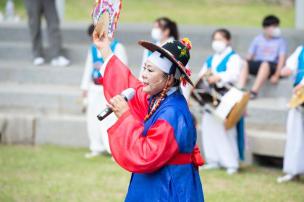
(102, 42)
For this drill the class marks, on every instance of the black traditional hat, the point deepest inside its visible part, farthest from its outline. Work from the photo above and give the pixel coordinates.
(177, 52)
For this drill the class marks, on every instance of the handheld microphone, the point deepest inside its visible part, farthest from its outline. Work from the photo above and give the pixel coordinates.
(128, 94)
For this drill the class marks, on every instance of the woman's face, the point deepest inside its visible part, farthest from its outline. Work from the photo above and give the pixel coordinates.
(219, 37)
(159, 33)
(156, 32)
(153, 78)
(219, 43)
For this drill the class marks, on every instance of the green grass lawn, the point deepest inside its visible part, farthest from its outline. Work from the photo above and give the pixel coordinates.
(202, 12)
(49, 173)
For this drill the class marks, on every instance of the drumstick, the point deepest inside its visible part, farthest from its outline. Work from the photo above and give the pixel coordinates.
(212, 91)
(201, 101)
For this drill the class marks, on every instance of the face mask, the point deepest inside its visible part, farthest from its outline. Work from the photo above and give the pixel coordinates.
(218, 46)
(276, 32)
(156, 34)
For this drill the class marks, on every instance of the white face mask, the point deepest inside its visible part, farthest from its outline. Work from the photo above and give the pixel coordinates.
(276, 32)
(218, 46)
(156, 34)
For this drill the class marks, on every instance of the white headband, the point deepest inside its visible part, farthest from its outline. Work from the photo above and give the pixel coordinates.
(162, 63)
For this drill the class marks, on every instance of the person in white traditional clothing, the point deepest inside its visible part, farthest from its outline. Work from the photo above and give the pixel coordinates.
(92, 88)
(294, 149)
(163, 31)
(221, 145)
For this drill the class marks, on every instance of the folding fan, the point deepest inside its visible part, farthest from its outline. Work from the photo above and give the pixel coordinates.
(105, 16)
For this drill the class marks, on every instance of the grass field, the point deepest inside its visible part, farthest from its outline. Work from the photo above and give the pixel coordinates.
(55, 174)
(202, 12)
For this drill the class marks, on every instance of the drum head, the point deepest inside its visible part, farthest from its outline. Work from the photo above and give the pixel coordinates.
(237, 111)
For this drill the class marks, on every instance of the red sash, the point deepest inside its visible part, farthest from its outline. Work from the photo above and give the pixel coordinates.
(185, 158)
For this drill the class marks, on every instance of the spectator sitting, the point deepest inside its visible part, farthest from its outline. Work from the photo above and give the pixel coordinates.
(266, 56)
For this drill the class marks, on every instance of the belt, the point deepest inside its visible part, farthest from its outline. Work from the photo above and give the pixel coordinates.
(186, 158)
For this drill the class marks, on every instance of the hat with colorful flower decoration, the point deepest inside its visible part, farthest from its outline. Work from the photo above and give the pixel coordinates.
(172, 58)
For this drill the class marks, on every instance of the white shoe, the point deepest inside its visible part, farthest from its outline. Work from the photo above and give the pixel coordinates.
(92, 155)
(60, 61)
(231, 171)
(210, 166)
(285, 178)
(38, 61)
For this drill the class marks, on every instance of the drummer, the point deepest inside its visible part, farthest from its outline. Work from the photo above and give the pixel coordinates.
(294, 149)
(221, 145)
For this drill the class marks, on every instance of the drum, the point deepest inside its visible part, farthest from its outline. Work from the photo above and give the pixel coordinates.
(227, 103)
(297, 98)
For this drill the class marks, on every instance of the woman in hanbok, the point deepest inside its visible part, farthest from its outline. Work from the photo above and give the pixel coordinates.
(154, 137)
(221, 148)
(294, 149)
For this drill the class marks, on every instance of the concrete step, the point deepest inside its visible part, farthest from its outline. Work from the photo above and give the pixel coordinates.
(266, 143)
(274, 127)
(130, 33)
(62, 129)
(28, 127)
(260, 141)
(42, 97)
(27, 73)
(77, 53)
(282, 89)
(23, 52)
(267, 111)
(262, 113)
(76, 42)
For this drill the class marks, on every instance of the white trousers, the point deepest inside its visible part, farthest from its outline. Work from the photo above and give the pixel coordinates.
(294, 149)
(97, 130)
(219, 144)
